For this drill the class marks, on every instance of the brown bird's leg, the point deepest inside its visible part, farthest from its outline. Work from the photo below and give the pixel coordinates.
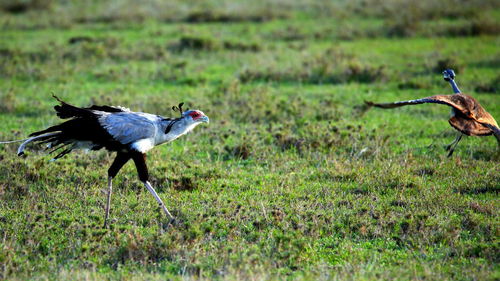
(495, 130)
(120, 160)
(142, 170)
(451, 147)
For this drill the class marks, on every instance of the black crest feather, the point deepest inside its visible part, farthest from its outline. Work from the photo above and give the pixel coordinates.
(178, 108)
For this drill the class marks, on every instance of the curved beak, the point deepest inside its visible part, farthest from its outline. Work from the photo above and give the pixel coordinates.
(205, 119)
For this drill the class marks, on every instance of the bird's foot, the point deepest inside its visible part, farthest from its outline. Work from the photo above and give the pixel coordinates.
(166, 225)
(108, 223)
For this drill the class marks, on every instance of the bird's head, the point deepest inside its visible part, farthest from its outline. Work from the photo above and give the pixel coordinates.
(448, 75)
(188, 120)
(195, 116)
(192, 116)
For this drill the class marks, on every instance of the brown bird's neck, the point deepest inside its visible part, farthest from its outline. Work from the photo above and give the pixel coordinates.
(454, 86)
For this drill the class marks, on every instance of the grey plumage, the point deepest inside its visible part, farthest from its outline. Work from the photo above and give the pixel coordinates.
(129, 127)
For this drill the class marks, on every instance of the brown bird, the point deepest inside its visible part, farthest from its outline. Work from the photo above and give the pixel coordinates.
(467, 115)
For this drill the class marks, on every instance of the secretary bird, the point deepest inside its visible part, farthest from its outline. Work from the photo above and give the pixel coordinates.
(467, 115)
(114, 128)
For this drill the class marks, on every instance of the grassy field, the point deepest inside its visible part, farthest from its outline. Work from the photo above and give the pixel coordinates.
(294, 178)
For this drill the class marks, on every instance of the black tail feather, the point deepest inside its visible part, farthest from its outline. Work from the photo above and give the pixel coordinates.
(57, 147)
(83, 128)
(48, 130)
(105, 108)
(66, 110)
(64, 152)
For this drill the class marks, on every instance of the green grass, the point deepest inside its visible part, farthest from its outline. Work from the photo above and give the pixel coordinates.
(293, 178)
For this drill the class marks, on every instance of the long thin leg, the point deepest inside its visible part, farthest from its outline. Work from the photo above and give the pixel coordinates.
(451, 147)
(158, 199)
(120, 160)
(108, 202)
(142, 170)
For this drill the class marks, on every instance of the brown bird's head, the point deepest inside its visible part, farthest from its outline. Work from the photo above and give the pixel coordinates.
(449, 74)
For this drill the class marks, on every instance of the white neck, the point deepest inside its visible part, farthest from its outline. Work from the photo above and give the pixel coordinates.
(178, 129)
